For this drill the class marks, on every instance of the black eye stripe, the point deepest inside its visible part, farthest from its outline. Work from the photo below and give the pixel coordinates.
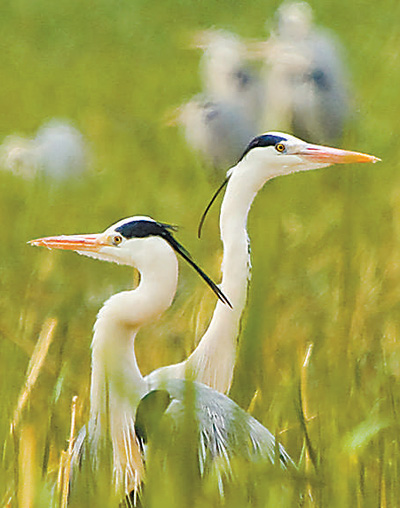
(262, 141)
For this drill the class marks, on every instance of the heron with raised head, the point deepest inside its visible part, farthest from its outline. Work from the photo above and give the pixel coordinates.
(119, 395)
(267, 156)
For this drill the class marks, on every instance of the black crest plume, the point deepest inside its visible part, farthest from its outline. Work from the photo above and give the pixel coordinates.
(216, 194)
(145, 228)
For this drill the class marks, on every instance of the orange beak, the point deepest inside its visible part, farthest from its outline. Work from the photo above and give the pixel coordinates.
(89, 243)
(328, 155)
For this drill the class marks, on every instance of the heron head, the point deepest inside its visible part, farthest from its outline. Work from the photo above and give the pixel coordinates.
(274, 154)
(137, 241)
(124, 242)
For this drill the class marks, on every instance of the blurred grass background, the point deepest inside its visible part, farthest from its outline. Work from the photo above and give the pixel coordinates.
(325, 245)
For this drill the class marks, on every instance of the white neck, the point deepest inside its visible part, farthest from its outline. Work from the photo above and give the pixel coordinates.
(213, 360)
(117, 384)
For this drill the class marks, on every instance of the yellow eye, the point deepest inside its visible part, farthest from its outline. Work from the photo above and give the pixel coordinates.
(117, 239)
(280, 147)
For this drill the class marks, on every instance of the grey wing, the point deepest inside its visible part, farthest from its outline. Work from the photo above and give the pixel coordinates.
(231, 432)
(223, 430)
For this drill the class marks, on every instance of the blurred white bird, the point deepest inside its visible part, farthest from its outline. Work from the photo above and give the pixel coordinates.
(307, 85)
(58, 150)
(227, 76)
(220, 122)
(215, 129)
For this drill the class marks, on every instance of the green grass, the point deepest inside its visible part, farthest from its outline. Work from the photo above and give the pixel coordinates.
(325, 245)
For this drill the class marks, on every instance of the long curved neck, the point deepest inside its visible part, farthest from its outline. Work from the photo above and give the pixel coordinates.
(117, 384)
(213, 360)
(115, 372)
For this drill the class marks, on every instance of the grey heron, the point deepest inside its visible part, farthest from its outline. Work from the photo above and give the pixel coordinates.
(227, 76)
(57, 150)
(222, 120)
(215, 129)
(267, 156)
(119, 394)
(307, 84)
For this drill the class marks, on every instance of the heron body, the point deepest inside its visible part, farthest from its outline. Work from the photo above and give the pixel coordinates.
(118, 389)
(266, 157)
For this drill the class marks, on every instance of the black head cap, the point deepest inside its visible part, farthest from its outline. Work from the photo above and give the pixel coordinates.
(260, 141)
(263, 140)
(144, 228)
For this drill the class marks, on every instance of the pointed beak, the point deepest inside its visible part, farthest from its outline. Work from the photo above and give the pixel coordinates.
(82, 243)
(328, 155)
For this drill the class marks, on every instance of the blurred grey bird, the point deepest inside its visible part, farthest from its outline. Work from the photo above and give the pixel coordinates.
(215, 129)
(226, 74)
(307, 84)
(58, 150)
(221, 121)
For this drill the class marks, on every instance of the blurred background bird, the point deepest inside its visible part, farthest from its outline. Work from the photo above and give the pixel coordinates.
(58, 150)
(215, 129)
(302, 87)
(226, 74)
(307, 85)
(220, 122)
